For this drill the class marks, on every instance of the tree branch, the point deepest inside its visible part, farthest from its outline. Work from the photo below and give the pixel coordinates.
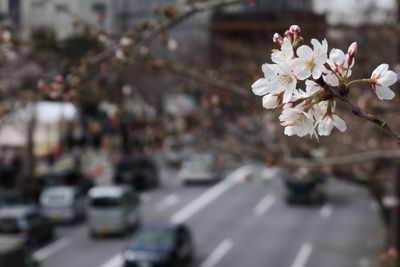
(346, 159)
(369, 117)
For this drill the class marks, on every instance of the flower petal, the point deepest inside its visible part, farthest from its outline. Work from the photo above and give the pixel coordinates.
(260, 87)
(384, 93)
(388, 79)
(381, 69)
(339, 123)
(305, 52)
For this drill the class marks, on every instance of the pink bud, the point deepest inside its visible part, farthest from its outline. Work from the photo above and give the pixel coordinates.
(353, 48)
(277, 38)
(288, 34)
(294, 29)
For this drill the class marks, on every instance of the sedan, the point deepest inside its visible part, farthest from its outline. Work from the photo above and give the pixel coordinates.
(160, 245)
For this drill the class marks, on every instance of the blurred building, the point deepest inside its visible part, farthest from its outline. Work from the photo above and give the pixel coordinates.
(59, 15)
(10, 9)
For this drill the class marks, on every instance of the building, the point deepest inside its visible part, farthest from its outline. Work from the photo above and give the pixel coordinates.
(59, 15)
(10, 9)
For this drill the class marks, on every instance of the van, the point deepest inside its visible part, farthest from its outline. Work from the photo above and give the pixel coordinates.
(62, 204)
(112, 210)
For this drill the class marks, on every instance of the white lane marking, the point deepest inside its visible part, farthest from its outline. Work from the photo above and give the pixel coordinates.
(303, 255)
(218, 253)
(52, 248)
(326, 211)
(207, 197)
(167, 202)
(195, 206)
(116, 261)
(264, 205)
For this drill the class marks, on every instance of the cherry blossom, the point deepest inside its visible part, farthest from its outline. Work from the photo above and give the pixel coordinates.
(381, 79)
(310, 61)
(310, 110)
(297, 122)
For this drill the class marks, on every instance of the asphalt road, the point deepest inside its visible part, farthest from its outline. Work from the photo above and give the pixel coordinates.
(237, 224)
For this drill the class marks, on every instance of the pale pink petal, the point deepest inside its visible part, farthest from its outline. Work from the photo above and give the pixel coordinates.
(316, 72)
(260, 87)
(384, 93)
(388, 79)
(305, 52)
(381, 69)
(339, 123)
(331, 79)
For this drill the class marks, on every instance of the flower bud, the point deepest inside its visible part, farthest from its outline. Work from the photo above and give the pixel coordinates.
(277, 38)
(352, 51)
(288, 34)
(270, 101)
(295, 30)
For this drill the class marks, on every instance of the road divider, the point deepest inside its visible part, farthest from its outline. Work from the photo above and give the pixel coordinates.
(50, 249)
(264, 205)
(217, 254)
(303, 255)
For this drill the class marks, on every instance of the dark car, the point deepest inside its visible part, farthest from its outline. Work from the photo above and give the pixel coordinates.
(160, 245)
(26, 223)
(139, 172)
(305, 190)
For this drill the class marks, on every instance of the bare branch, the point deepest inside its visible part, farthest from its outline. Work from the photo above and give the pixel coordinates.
(346, 159)
(369, 117)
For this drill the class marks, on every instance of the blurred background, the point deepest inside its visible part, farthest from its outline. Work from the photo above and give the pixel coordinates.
(129, 136)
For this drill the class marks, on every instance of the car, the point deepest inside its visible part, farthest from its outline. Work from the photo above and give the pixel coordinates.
(141, 173)
(113, 210)
(64, 204)
(160, 244)
(199, 168)
(306, 189)
(26, 222)
(177, 149)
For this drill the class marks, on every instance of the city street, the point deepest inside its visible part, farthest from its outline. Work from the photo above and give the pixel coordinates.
(237, 224)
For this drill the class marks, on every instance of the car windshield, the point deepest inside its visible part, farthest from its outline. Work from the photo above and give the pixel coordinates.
(9, 225)
(150, 238)
(57, 198)
(105, 202)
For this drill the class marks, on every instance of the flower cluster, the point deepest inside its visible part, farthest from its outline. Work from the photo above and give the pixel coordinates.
(310, 111)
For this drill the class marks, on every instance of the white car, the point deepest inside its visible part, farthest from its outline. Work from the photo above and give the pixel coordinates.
(199, 168)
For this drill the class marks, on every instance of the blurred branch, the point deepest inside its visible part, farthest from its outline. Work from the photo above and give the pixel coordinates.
(369, 117)
(346, 159)
(207, 79)
(193, 9)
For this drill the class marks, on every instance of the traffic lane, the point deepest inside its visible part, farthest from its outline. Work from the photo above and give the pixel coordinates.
(257, 240)
(224, 218)
(98, 251)
(199, 203)
(354, 234)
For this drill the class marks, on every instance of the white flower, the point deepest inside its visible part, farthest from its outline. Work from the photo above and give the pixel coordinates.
(381, 79)
(285, 55)
(326, 124)
(264, 86)
(282, 80)
(339, 63)
(270, 101)
(297, 122)
(311, 61)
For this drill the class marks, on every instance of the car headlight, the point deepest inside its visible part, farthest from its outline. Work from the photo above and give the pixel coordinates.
(129, 255)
